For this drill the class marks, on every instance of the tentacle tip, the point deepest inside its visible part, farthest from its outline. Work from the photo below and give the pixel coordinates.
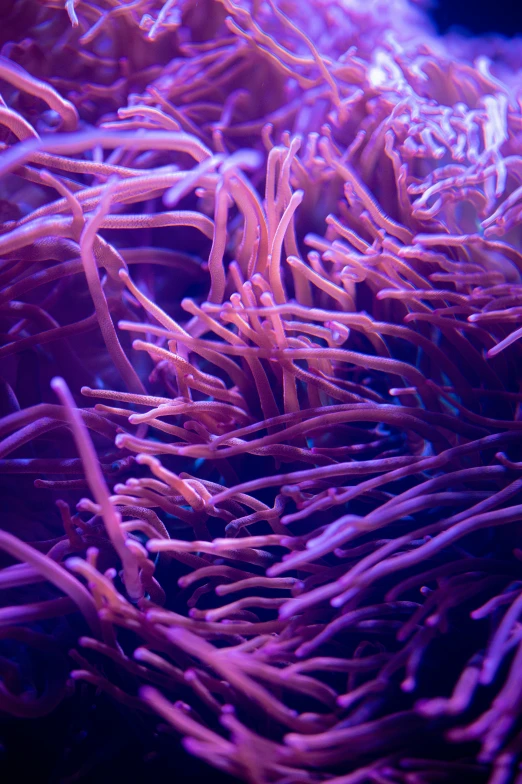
(58, 384)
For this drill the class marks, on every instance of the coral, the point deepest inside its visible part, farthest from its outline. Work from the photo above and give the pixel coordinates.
(260, 300)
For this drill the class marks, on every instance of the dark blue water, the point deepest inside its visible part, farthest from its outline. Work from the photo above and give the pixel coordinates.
(479, 17)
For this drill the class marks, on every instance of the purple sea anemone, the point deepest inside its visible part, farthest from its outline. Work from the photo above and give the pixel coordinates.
(261, 442)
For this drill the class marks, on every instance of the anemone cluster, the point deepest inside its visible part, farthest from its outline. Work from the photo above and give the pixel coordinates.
(261, 435)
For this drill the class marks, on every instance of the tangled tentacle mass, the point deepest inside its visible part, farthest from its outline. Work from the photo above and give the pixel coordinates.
(260, 382)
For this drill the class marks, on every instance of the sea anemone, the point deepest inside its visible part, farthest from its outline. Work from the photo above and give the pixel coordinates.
(260, 304)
